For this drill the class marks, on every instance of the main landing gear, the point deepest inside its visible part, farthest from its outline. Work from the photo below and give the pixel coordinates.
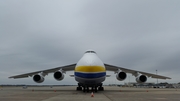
(94, 88)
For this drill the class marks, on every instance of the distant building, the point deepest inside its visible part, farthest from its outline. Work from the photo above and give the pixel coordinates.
(135, 84)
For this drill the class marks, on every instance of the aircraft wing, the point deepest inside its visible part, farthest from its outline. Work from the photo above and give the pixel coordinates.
(133, 72)
(63, 68)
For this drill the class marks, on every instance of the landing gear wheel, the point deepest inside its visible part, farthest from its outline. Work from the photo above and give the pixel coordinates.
(95, 89)
(101, 88)
(87, 89)
(92, 89)
(84, 89)
(79, 88)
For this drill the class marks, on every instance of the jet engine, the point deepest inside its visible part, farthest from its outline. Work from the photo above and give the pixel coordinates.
(121, 76)
(141, 79)
(58, 75)
(38, 78)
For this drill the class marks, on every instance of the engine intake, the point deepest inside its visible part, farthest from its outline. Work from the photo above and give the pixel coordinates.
(141, 79)
(121, 76)
(38, 78)
(58, 75)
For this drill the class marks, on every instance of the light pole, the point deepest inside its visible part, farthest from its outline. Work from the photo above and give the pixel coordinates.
(156, 74)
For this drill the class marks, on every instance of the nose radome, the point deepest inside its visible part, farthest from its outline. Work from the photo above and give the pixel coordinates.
(90, 62)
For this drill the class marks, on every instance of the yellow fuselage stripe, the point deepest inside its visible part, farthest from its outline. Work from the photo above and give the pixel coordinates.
(90, 69)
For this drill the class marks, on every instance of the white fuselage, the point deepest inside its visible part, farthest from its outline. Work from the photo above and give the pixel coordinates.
(90, 69)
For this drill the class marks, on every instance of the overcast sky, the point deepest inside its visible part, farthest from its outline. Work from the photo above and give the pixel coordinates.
(142, 35)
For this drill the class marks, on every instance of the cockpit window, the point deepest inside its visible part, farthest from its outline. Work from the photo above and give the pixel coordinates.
(90, 52)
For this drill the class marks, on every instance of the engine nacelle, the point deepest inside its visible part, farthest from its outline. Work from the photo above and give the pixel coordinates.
(38, 78)
(58, 75)
(121, 76)
(141, 79)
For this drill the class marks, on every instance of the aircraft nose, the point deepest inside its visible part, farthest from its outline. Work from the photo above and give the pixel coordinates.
(90, 62)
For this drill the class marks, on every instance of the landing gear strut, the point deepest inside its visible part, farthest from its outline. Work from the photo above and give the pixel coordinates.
(101, 88)
(79, 88)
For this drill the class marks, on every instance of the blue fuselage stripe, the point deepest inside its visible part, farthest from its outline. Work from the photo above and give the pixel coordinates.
(90, 75)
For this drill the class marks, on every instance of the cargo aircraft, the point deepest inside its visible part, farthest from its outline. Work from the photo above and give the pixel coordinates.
(89, 72)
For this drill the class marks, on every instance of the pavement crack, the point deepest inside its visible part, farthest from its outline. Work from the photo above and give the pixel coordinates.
(108, 97)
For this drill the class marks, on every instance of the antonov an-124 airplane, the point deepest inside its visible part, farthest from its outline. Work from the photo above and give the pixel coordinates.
(89, 72)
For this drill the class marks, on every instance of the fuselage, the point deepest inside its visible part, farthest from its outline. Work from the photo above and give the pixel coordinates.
(90, 70)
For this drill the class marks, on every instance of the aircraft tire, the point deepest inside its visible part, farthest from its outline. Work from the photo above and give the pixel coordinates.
(95, 89)
(101, 89)
(84, 89)
(79, 88)
(87, 89)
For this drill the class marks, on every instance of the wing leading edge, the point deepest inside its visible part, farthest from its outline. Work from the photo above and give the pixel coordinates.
(47, 71)
(72, 67)
(133, 72)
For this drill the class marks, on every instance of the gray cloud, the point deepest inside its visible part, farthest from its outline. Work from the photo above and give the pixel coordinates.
(140, 35)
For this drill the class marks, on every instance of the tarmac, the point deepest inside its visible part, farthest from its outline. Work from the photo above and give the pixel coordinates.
(69, 93)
